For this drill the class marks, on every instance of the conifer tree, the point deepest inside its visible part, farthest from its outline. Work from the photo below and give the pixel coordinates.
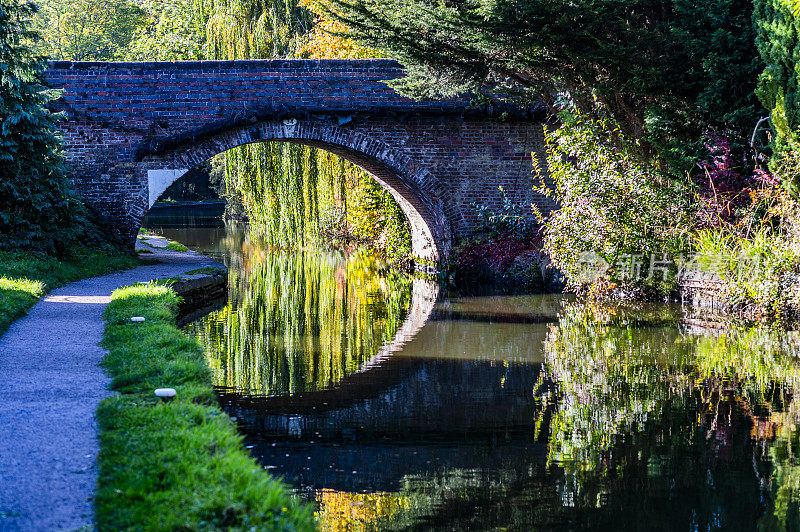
(777, 23)
(666, 70)
(38, 208)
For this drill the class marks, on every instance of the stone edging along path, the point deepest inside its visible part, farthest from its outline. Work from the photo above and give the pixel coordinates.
(52, 384)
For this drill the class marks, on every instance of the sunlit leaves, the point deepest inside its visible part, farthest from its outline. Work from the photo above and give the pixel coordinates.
(83, 30)
(611, 203)
(173, 30)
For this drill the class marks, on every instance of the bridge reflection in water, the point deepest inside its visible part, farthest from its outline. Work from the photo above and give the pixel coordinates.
(395, 409)
(433, 387)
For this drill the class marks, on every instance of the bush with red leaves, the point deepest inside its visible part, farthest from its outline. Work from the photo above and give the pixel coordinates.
(723, 190)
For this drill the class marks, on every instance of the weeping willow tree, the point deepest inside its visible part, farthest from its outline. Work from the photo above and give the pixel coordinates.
(298, 195)
(253, 29)
(295, 195)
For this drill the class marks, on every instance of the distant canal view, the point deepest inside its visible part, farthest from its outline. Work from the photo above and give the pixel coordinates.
(393, 406)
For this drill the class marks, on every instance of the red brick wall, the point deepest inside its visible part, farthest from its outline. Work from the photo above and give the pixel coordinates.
(438, 157)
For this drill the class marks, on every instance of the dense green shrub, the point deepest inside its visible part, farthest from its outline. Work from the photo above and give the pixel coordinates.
(612, 205)
(38, 208)
(777, 24)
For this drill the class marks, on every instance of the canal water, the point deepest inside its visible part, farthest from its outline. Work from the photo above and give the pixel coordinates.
(391, 406)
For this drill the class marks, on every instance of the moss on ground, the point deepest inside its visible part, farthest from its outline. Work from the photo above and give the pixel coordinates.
(25, 277)
(178, 465)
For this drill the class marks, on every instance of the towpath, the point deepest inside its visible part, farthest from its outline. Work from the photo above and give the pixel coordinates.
(51, 386)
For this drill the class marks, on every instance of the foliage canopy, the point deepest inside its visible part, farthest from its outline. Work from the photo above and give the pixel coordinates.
(87, 30)
(665, 71)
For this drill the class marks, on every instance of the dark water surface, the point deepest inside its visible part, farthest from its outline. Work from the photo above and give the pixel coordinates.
(391, 406)
(198, 226)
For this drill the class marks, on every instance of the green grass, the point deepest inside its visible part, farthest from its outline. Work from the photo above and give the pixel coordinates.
(178, 465)
(753, 267)
(25, 277)
(177, 246)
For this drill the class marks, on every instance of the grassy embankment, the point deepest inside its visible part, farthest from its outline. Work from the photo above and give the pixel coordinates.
(178, 465)
(25, 277)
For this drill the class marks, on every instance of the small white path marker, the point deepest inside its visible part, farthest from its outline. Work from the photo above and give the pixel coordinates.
(165, 394)
(137, 318)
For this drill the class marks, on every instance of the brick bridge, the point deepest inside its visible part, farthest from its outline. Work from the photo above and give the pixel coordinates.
(134, 128)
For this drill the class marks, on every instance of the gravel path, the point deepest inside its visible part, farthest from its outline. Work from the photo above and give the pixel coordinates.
(52, 385)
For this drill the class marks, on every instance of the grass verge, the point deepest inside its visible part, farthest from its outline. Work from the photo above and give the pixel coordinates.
(178, 465)
(25, 277)
(177, 246)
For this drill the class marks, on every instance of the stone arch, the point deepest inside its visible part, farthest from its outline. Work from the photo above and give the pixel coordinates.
(414, 188)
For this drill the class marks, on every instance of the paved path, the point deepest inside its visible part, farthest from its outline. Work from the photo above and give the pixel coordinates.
(51, 386)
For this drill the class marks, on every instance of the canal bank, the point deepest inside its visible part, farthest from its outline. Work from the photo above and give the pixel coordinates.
(53, 385)
(175, 464)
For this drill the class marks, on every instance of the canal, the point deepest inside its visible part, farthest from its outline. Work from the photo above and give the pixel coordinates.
(391, 405)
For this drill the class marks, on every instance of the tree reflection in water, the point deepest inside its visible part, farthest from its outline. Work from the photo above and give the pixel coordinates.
(300, 321)
(663, 426)
(632, 420)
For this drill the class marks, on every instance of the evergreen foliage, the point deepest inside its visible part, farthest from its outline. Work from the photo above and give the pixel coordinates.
(38, 208)
(777, 24)
(665, 71)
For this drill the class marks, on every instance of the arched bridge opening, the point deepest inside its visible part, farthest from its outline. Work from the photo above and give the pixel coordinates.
(410, 187)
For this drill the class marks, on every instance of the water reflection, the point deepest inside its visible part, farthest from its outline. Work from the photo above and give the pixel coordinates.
(200, 227)
(299, 322)
(690, 422)
(393, 408)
